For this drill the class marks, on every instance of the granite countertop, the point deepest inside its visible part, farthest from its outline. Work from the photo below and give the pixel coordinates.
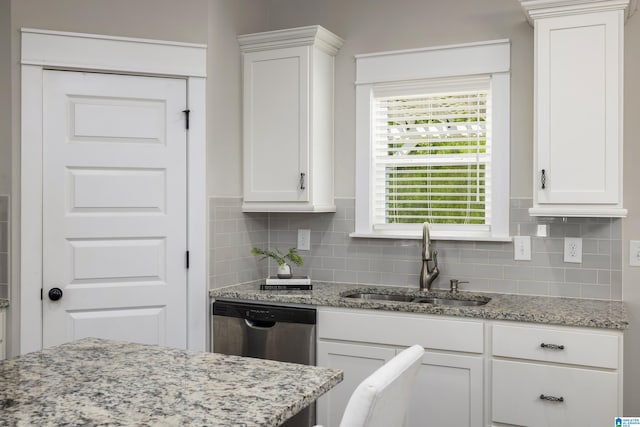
(4, 303)
(523, 308)
(99, 382)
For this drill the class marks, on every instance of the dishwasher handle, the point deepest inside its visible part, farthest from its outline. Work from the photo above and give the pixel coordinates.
(259, 324)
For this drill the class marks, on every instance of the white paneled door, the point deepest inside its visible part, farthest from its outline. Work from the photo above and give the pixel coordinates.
(114, 203)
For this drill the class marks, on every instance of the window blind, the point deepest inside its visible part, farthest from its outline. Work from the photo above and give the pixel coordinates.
(432, 153)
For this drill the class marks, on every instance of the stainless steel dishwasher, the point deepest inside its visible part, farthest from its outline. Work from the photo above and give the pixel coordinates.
(286, 334)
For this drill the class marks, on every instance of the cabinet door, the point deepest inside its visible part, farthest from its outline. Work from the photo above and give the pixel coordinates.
(357, 362)
(276, 125)
(448, 391)
(537, 395)
(578, 122)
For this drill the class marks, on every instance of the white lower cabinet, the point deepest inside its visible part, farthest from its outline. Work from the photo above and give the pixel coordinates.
(555, 376)
(449, 388)
(476, 372)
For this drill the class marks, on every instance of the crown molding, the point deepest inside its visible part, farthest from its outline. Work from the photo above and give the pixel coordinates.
(315, 35)
(535, 9)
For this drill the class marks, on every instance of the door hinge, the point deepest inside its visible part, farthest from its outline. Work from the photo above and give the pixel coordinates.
(186, 116)
(187, 259)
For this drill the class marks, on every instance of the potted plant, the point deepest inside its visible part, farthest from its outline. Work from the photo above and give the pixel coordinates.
(284, 270)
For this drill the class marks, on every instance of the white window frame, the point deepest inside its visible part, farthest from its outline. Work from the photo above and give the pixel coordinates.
(473, 59)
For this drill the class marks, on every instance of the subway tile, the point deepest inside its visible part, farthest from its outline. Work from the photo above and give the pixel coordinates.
(596, 261)
(547, 245)
(489, 271)
(604, 277)
(596, 292)
(604, 246)
(4, 236)
(616, 228)
(549, 274)
(502, 286)
(372, 277)
(334, 263)
(489, 265)
(530, 287)
(580, 275)
(345, 276)
(590, 246)
(616, 254)
(519, 272)
(600, 230)
(407, 267)
(4, 208)
(562, 289)
(474, 256)
(4, 269)
(359, 264)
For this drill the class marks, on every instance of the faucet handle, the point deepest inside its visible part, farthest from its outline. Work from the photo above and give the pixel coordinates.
(454, 285)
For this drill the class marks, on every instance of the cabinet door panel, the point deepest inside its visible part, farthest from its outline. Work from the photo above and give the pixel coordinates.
(448, 391)
(357, 362)
(589, 397)
(276, 124)
(577, 109)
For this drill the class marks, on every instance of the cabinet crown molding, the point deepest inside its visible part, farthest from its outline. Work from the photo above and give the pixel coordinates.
(535, 9)
(316, 35)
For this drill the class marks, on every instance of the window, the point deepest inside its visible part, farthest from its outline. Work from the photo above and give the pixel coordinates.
(434, 148)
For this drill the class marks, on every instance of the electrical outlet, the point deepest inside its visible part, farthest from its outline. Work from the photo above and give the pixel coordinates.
(634, 253)
(304, 240)
(522, 248)
(573, 249)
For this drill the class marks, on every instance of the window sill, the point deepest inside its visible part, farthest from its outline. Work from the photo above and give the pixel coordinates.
(434, 235)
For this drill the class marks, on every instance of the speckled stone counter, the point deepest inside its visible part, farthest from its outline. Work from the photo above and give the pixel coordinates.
(4, 303)
(97, 382)
(523, 308)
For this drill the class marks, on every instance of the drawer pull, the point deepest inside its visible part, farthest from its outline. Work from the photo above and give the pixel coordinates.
(552, 346)
(551, 398)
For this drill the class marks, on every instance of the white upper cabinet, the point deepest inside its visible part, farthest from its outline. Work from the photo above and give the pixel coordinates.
(288, 120)
(578, 107)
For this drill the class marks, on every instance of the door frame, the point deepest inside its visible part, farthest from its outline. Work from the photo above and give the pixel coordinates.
(44, 49)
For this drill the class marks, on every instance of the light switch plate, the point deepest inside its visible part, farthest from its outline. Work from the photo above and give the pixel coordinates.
(522, 248)
(573, 249)
(634, 253)
(304, 240)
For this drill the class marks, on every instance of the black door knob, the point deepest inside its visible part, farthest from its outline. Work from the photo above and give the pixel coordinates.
(55, 294)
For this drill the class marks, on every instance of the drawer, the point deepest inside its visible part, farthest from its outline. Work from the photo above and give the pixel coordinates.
(579, 347)
(589, 397)
(401, 330)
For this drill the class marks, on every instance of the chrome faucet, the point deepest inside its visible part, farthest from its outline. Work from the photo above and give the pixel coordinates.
(428, 274)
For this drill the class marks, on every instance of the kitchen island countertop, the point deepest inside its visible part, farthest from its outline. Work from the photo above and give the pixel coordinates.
(94, 382)
(524, 308)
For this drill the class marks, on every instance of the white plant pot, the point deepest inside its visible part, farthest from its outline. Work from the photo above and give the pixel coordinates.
(284, 271)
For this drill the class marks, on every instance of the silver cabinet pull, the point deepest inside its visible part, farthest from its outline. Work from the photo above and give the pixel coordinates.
(552, 346)
(302, 175)
(551, 398)
(543, 179)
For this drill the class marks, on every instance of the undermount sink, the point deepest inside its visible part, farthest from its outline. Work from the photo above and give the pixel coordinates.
(450, 301)
(459, 302)
(381, 297)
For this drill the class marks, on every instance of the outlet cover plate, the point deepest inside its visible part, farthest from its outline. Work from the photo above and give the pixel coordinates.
(634, 253)
(573, 249)
(522, 248)
(304, 240)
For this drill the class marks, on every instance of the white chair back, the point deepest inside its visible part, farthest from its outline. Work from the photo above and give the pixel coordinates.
(381, 400)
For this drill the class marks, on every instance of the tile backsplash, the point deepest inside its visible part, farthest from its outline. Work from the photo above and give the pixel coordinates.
(487, 266)
(4, 246)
